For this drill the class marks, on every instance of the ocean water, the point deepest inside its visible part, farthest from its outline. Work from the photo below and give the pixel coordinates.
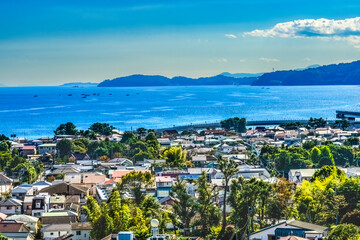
(157, 107)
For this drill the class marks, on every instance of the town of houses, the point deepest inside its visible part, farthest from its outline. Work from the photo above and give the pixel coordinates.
(55, 200)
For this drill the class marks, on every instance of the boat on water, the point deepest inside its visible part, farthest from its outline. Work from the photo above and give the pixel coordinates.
(110, 93)
(70, 95)
(127, 95)
(35, 95)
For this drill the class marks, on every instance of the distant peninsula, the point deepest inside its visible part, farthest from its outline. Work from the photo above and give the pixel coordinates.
(334, 74)
(79, 84)
(157, 80)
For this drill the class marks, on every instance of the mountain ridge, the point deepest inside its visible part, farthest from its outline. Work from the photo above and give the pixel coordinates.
(333, 74)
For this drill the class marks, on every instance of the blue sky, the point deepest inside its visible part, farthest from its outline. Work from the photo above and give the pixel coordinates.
(52, 42)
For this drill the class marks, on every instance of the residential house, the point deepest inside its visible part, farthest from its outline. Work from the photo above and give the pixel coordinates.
(57, 202)
(15, 230)
(66, 189)
(299, 175)
(56, 231)
(11, 206)
(29, 221)
(40, 205)
(79, 157)
(81, 231)
(21, 191)
(163, 186)
(28, 150)
(47, 148)
(6, 184)
(59, 216)
(291, 227)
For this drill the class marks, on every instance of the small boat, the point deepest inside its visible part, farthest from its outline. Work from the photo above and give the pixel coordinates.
(35, 95)
(110, 93)
(70, 95)
(94, 94)
(98, 94)
(84, 96)
(127, 95)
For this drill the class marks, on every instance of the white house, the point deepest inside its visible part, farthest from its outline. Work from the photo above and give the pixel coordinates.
(299, 175)
(291, 227)
(11, 206)
(47, 148)
(53, 231)
(81, 231)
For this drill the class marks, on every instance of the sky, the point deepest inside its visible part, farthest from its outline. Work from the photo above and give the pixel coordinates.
(46, 42)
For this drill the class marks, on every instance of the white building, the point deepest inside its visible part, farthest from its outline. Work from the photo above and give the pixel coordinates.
(53, 231)
(81, 231)
(291, 227)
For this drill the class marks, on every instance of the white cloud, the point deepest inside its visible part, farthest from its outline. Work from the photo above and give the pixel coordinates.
(218, 60)
(307, 59)
(268, 59)
(347, 29)
(230, 36)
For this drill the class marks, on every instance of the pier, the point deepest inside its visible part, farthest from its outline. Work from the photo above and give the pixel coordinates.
(248, 123)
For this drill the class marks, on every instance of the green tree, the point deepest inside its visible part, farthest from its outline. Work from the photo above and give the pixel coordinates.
(228, 168)
(316, 123)
(326, 171)
(5, 146)
(64, 147)
(350, 189)
(66, 129)
(315, 155)
(342, 124)
(27, 172)
(92, 209)
(208, 211)
(101, 128)
(103, 225)
(175, 156)
(352, 141)
(184, 205)
(352, 217)
(344, 232)
(128, 137)
(326, 157)
(236, 124)
(133, 183)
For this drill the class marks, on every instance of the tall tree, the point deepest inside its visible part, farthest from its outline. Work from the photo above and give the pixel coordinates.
(103, 225)
(228, 168)
(184, 205)
(236, 124)
(133, 183)
(66, 129)
(326, 157)
(101, 128)
(175, 156)
(315, 155)
(208, 212)
(64, 147)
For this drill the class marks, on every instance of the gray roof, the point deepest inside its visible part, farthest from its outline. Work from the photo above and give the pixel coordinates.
(57, 227)
(10, 202)
(306, 225)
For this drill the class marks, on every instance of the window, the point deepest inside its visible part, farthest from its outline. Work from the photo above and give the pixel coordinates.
(78, 233)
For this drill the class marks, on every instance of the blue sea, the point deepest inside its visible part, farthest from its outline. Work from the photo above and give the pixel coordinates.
(25, 115)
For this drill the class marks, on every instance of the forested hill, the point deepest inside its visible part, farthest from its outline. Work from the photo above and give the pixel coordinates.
(157, 80)
(335, 74)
